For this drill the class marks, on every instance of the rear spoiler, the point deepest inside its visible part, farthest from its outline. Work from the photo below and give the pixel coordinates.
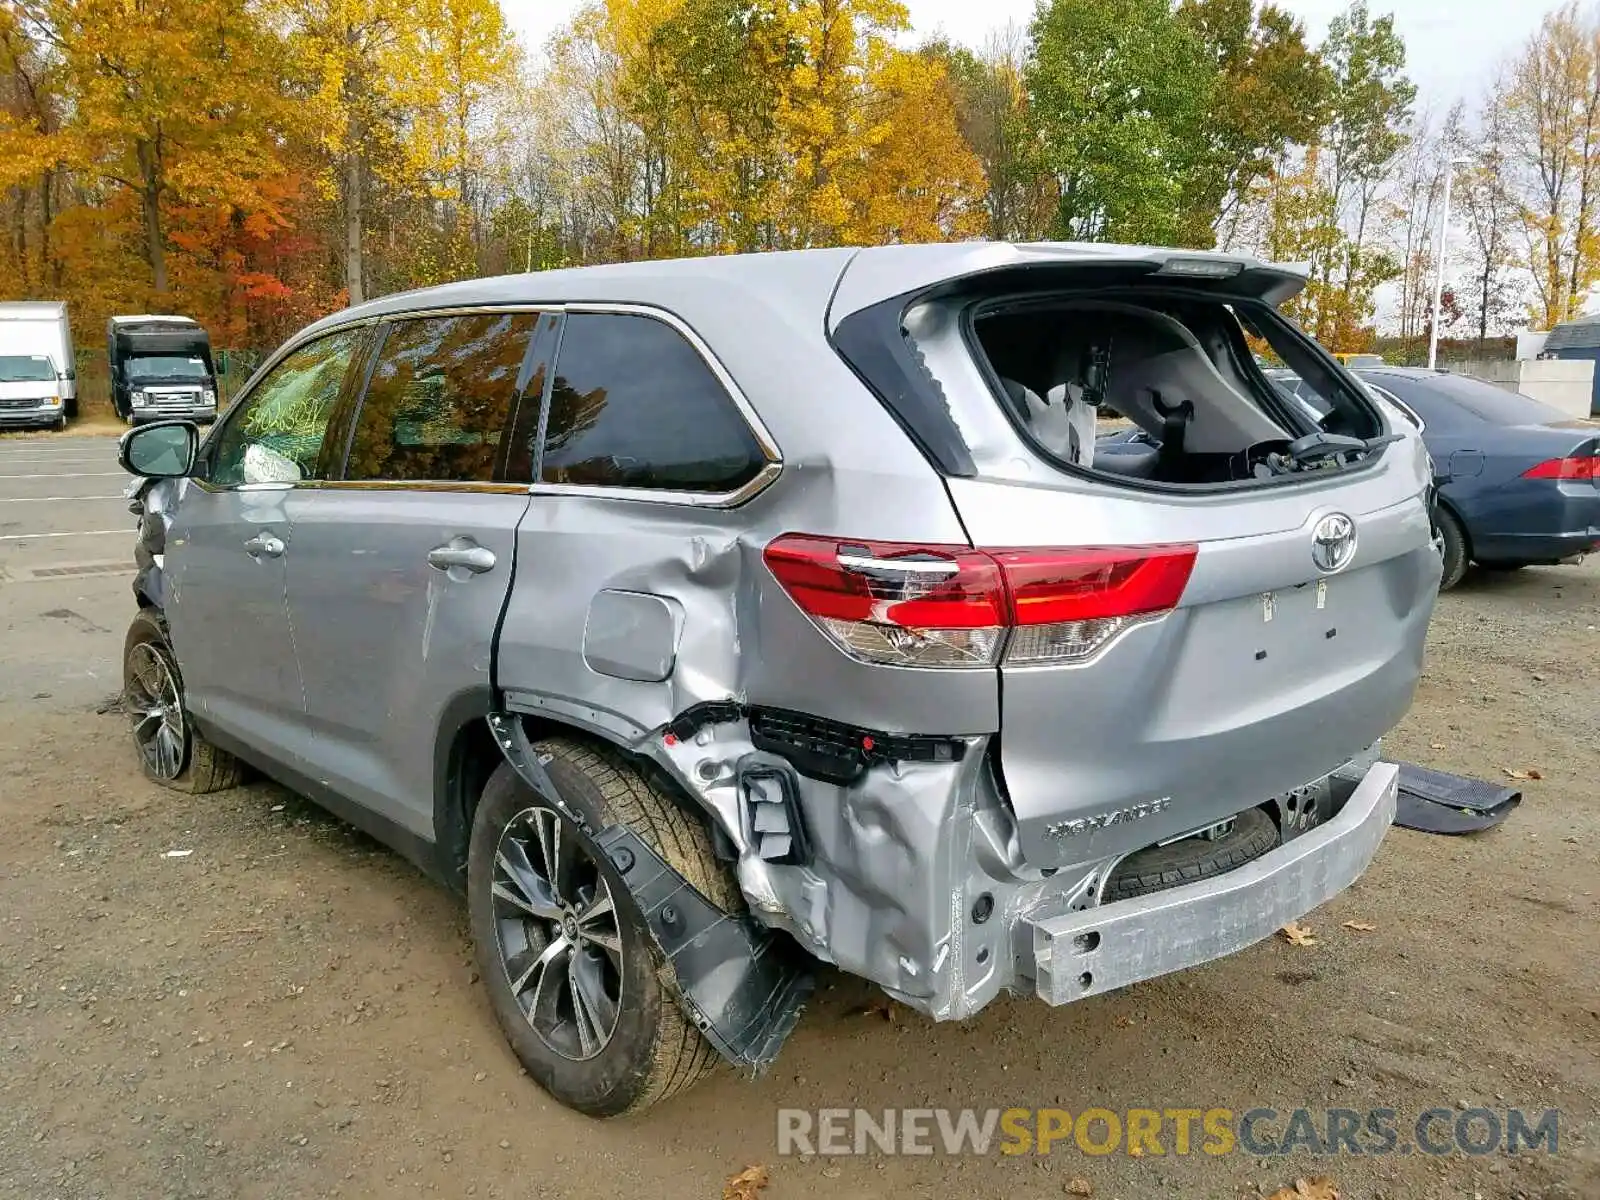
(886, 273)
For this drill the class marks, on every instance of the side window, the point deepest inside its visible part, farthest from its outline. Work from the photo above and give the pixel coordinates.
(440, 398)
(275, 434)
(634, 405)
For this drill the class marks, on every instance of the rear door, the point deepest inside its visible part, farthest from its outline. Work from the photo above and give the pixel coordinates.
(402, 566)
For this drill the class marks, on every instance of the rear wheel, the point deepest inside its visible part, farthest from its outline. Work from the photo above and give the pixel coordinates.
(171, 750)
(1455, 549)
(573, 975)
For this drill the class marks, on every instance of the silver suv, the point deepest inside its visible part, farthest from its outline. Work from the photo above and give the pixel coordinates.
(705, 621)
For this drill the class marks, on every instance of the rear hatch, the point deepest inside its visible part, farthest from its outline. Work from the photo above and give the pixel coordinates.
(1268, 673)
(1174, 655)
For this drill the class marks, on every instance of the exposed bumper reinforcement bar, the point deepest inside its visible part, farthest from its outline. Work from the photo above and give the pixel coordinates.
(742, 984)
(1079, 954)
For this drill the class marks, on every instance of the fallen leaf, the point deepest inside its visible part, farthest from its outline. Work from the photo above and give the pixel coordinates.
(1530, 773)
(1360, 926)
(747, 1184)
(1297, 934)
(879, 1008)
(1079, 1187)
(1121, 1021)
(1437, 745)
(1534, 773)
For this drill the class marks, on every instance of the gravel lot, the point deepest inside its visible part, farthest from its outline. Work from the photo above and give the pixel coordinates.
(289, 1010)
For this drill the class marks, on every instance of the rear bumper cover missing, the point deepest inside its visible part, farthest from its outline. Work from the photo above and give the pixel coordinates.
(1083, 953)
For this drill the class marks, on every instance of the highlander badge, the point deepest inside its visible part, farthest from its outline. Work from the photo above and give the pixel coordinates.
(1117, 816)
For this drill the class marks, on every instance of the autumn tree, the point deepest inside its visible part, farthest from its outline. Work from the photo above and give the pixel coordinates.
(914, 179)
(1118, 91)
(821, 117)
(173, 100)
(1551, 115)
(1369, 111)
(1269, 91)
(1413, 212)
(350, 59)
(1302, 226)
(31, 149)
(1490, 213)
(990, 103)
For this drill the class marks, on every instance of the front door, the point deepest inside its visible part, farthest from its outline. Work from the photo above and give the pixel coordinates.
(401, 569)
(228, 548)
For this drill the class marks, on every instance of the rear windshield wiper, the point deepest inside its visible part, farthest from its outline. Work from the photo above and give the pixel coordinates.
(1321, 446)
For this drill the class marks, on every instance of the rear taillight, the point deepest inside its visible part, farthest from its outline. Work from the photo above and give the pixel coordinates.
(951, 606)
(1565, 468)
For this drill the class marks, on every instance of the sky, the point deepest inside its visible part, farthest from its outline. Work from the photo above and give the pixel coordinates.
(1453, 46)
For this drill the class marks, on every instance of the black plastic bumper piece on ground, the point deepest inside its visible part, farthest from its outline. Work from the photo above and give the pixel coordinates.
(742, 984)
(1439, 802)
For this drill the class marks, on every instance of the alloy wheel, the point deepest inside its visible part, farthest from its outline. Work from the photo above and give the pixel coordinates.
(155, 707)
(559, 937)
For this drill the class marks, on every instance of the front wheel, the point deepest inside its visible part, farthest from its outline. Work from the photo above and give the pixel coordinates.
(171, 750)
(573, 975)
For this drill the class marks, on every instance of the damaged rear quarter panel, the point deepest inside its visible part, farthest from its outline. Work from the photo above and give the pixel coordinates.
(847, 470)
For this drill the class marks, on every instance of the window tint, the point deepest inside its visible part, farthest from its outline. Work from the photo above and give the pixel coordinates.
(440, 398)
(634, 405)
(275, 435)
(525, 424)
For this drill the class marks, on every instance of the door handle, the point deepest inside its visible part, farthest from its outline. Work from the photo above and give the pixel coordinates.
(462, 552)
(264, 544)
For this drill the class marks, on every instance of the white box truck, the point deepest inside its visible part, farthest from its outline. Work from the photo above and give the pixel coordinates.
(38, 370)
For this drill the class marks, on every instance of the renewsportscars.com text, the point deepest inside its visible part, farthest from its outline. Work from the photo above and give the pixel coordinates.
(1151, 1132)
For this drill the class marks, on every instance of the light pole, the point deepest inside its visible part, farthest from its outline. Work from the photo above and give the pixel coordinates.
(1438, 267)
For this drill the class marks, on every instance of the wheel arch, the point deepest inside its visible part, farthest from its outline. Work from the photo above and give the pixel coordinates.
(1453, 507)
(467, 754)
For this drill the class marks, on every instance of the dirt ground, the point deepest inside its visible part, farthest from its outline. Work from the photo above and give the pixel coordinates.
(289, 1010)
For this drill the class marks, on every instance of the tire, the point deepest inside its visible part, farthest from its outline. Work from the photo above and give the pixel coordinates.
(651, 1052)
(1456, 551)
(1156, 868)
(187, 762)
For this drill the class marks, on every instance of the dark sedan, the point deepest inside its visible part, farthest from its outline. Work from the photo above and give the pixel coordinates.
(1519, 482)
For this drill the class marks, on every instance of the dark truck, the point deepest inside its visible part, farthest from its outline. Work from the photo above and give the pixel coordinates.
(161, 366)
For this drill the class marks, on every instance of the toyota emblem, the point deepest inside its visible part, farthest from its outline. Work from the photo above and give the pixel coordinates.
(1333, 543)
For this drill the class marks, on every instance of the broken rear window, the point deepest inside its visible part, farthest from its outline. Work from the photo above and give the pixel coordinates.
(1159, 385)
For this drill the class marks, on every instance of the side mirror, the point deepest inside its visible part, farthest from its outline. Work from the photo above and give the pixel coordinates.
(163, 450)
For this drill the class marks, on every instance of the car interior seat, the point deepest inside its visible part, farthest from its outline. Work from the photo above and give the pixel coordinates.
(1063, 423)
